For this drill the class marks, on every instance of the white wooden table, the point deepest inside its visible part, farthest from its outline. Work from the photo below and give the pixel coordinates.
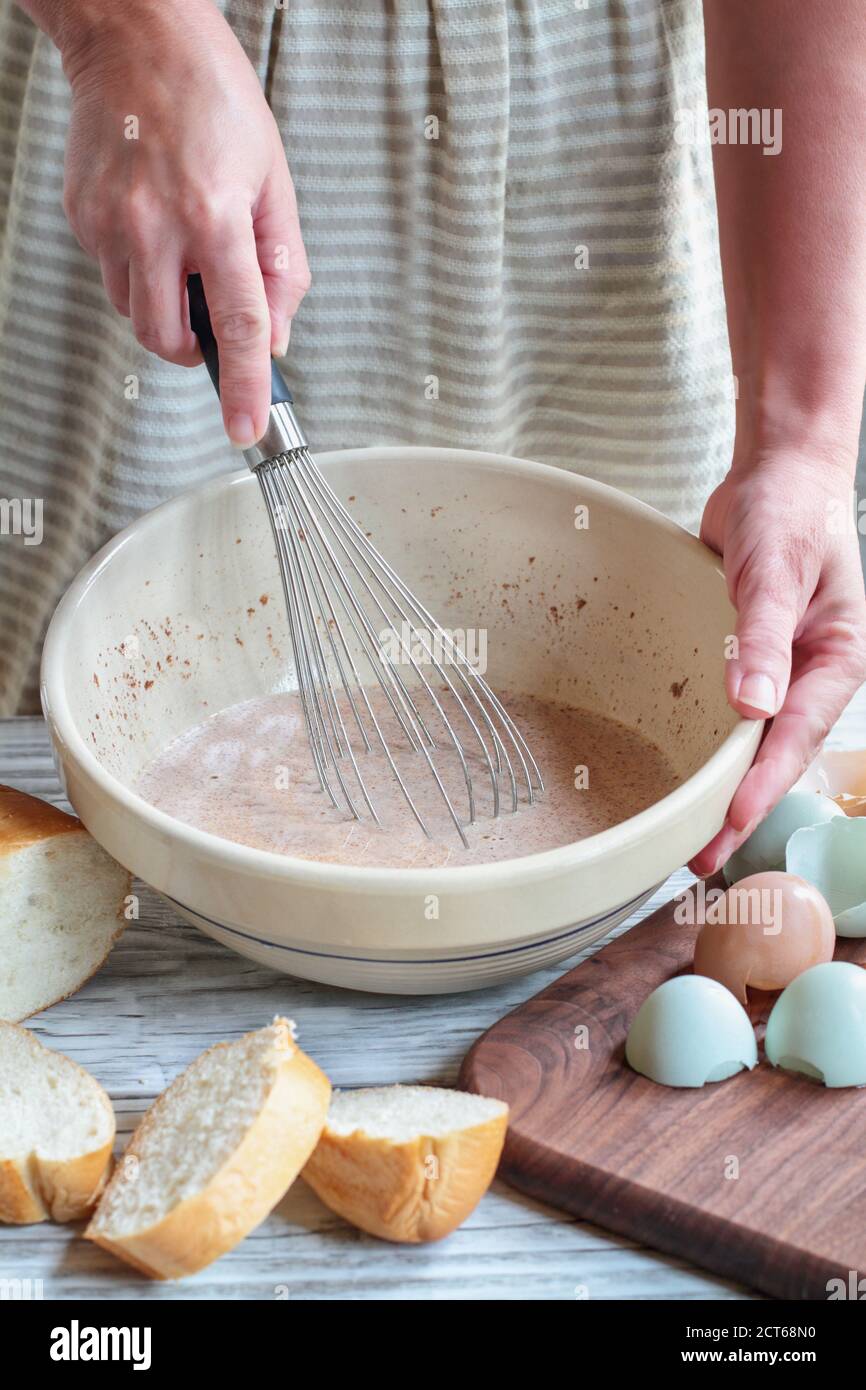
(167, 992)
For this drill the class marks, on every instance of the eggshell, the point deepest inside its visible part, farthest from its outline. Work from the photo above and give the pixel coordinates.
(689, 1031)
(764, 932)
(833, 857)
(818, 1025)
(765, 847)
(839, 773)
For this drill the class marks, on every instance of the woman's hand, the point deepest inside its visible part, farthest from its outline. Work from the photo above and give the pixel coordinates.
(784, 526)
(174, 164)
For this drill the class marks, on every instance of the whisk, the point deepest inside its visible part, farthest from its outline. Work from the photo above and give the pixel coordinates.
(355, 627)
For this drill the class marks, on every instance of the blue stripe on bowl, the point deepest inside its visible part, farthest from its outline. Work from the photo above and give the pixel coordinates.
(433, 960)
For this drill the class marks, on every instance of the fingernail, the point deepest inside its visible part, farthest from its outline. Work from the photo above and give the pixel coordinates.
(759, 693)
(241, 431)
(283, 346)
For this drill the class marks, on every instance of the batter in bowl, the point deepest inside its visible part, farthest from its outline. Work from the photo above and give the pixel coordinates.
(246, 774)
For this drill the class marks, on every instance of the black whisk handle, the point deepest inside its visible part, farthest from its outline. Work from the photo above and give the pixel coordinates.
(199, 321)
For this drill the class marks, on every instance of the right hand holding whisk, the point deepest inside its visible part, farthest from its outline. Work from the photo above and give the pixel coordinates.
(174, 164)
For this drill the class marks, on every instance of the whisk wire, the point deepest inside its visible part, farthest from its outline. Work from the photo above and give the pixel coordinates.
(305, 640)
(294, 635)
(388, 675)
(415, 637)
(393, 674)
(464, 670)
(327, 619)
(464, 667)
(308, 521)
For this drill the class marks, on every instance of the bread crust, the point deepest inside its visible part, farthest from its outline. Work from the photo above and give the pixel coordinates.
(248, 1185)
(25, 821)
(411, 1192)
(35, 1188)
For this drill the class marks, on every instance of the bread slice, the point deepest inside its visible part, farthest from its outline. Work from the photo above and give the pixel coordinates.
(61, 903)
(214, 1154)
(407, 1163)
(56, 1132)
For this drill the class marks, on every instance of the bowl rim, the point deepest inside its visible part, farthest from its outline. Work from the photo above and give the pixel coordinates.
(271, 864)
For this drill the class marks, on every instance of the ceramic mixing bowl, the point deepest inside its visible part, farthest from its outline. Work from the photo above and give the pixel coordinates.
(181, 615)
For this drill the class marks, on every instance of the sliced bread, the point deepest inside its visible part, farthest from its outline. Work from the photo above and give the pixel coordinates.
(214, 1154)
(61, 904)
(407, 1163)
(56, 1132)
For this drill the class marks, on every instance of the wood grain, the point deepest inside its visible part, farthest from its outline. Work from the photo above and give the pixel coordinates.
(761, 1178)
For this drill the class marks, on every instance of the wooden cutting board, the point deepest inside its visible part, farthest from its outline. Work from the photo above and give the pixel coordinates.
(761, 1178)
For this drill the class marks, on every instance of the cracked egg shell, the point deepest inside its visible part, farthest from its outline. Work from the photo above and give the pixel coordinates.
(764, 932)
(818, 1025)
(765, 847)
(839, 773)
(689, 1031)
(833, 857)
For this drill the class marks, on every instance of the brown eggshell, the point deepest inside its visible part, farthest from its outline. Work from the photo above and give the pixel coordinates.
(764, 932)
(839, 773)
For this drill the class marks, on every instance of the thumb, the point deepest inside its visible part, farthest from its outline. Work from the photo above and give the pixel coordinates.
(767, 616)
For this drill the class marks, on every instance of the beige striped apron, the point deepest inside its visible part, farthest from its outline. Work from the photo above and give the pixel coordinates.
(493, 202)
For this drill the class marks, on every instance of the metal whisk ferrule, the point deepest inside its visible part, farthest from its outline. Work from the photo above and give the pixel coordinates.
(282, 436)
